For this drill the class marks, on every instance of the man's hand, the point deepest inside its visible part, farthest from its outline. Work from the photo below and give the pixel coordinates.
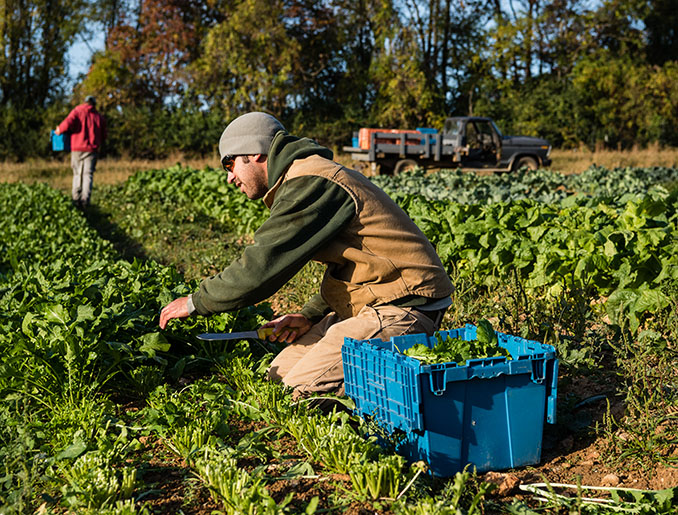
(56, 131)
(178, 308)
(288, 328)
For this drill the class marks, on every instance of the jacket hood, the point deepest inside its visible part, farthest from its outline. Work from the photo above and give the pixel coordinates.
(285, 149)
(87, 107)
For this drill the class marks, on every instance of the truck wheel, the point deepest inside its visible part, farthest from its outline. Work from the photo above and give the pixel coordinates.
(385, 169)
(526, 162)
(405, 165)
(386, 166)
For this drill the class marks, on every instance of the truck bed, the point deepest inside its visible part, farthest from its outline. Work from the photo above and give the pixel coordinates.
(411, 144)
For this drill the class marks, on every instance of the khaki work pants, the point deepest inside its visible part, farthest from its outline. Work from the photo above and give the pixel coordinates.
(83, 165)
(313, 363)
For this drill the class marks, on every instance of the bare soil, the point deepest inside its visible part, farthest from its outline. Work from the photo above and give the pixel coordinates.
(171, 486)
(572, 454)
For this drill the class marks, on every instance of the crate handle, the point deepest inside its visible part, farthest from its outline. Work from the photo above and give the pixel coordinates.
(538, 373)
(552, 392)
(438, 380)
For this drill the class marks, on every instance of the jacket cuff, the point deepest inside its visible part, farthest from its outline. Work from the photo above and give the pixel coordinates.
(190, 306)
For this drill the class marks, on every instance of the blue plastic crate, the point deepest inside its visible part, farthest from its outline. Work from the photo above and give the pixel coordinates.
(61, 142)
(427, 130)
(488, 413)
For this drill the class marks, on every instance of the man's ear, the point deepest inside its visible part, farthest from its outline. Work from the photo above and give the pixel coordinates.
(260, 158)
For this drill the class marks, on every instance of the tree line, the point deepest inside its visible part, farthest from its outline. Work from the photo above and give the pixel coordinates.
(173, 73)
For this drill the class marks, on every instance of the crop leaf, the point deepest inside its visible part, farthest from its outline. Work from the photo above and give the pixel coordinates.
(312, 505)
(485, 333)
(57, 313)
(458, 350)
(303, 468)
(74, 450)
(85, 314)
(634, 303)
(667, 498)
(26, 324)
(154, 342)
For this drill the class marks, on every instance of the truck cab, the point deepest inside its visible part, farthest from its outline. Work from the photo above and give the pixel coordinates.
(481, 145)
(466, 142)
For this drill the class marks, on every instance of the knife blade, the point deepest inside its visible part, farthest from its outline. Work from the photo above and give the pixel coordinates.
(261, 334)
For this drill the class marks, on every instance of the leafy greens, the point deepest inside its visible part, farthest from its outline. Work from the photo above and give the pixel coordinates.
(458, 350)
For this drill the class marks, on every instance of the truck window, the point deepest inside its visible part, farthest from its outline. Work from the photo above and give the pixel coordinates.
(484, 128)
(472, 135)
(497, 129)
(486, 135)
(452, 126)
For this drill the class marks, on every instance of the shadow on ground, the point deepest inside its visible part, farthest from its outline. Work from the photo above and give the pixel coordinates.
(123, 244)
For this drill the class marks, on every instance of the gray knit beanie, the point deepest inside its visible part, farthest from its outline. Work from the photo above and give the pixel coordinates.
(249, 134)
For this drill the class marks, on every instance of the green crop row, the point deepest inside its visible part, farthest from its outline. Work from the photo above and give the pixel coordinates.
(625, 255)
(542, 185)
(206, 190)
(78, 324)
(619, 245)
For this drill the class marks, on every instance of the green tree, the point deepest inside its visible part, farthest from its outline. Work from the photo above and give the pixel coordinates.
(317, 85)
(35, 35)
(661, 24)
(626, 101)
(403, 97)
(107, 14)
(149, 46)
(247, 60)
(449, 38)
(616, 26)
(355, 90)
(530, 46)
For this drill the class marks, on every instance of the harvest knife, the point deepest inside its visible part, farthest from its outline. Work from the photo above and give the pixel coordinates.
(261, 334)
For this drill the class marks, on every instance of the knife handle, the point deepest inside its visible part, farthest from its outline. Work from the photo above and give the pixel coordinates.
(264, 332)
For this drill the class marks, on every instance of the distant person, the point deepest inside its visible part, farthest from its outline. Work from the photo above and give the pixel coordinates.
(88, 131)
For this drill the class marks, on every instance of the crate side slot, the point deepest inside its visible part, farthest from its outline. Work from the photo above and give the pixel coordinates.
(382, 383)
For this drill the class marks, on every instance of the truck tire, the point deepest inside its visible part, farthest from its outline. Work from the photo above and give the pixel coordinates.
(405, 165)
(386, 166)
(526, 162)
(385, 169)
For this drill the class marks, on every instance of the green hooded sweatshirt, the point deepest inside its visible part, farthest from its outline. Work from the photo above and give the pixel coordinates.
(306, 213)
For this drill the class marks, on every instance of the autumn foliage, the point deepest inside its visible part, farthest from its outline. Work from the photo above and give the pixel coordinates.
(173, 73)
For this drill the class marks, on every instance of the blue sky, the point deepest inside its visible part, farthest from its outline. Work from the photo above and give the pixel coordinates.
(80, 54)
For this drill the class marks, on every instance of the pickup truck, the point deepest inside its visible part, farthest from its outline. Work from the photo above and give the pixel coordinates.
(466, 142)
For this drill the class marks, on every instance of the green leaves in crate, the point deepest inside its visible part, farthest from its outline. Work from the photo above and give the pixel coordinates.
(485, 333)
(457, 350)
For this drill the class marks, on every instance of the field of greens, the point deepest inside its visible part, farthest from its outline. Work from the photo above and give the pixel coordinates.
(104, 413)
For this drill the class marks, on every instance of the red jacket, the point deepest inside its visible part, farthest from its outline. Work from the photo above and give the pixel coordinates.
(86, 126)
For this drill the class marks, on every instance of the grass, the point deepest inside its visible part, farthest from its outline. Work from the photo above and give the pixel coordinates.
(197, 246)
(57, 172)
(578, 160)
